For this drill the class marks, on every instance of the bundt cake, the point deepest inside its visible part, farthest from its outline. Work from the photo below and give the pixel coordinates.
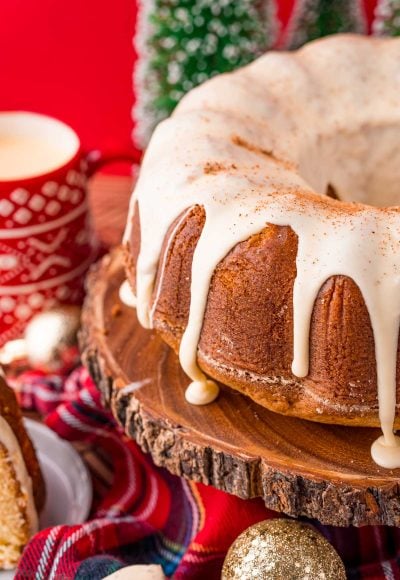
(263, 239)
(22, 492)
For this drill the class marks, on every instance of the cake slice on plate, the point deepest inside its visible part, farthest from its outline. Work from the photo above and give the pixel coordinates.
(22, 491)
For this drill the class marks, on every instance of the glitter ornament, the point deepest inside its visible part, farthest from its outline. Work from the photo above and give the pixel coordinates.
(280, 548)
(51, 335)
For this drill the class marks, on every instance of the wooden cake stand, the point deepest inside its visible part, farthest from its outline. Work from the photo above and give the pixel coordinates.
(297, 467)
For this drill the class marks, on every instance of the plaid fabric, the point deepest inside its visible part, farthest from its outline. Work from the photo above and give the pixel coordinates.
(142, 514)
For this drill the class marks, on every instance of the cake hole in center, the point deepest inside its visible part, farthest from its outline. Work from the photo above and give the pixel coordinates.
(361, 166)
(330, 192)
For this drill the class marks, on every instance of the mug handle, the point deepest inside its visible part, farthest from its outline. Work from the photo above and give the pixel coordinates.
(96, 160)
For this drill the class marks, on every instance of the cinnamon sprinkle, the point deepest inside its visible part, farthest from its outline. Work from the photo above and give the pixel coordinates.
(213, 167)
(237, 140)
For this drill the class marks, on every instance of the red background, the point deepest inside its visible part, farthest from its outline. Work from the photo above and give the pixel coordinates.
(74, 59)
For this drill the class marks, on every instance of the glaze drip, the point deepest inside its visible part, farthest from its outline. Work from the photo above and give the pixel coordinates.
(126, 295)
(250, 148)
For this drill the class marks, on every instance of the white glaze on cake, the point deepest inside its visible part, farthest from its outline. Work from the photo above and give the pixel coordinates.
(10, 442)
(260, 146)
(126, 294)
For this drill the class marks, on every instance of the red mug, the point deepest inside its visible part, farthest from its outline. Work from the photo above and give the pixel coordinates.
(47, 240)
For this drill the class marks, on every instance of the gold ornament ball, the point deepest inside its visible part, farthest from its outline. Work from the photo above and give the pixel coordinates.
(48, 333)
(282, 549)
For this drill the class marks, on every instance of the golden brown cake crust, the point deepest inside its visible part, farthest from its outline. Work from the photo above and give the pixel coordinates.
(247, 335)
(14, 522)
(10, 411)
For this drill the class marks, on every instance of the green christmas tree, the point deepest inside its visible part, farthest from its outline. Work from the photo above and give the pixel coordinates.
(317, 18)
(184, 42)
(387, 18)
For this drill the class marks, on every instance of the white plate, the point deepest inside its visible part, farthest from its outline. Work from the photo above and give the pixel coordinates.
(68, 483)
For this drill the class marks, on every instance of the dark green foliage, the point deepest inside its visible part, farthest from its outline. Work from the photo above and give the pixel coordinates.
(192, 40)
(323, 17)
(388, 18)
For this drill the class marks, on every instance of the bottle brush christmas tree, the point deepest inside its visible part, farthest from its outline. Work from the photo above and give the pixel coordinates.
(317, 18)
(182, 43)
(387, 18)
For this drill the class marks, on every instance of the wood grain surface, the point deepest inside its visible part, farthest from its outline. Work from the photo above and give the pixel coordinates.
(109, 198)
(298, 467)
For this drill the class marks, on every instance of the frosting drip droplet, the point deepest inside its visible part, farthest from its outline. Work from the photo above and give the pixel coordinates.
(202, 392)
(386, 453)
(126, 295)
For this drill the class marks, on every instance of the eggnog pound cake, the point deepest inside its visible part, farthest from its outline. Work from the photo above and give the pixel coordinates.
(22, 490)
(263, 240)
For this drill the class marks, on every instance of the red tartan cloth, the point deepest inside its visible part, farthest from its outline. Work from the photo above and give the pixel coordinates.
(147, 515)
